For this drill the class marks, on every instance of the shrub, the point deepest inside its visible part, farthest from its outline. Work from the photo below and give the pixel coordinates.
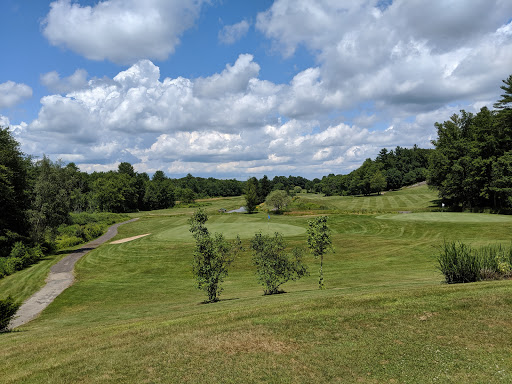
(461, 264)
(92, 231)
(3, 272)
(8, 308)
(66, 241)
(458, 264)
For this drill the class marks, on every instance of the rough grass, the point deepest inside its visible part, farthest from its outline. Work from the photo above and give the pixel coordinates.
(134, 315)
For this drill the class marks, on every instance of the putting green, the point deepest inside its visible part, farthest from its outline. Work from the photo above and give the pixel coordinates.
(451, 217)
(231, 230)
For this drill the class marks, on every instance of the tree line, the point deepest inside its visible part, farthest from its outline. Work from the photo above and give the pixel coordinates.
(471, 166)
(391, 169)
(38, 196)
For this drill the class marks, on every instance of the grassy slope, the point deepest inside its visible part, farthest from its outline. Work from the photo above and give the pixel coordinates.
(135, 316)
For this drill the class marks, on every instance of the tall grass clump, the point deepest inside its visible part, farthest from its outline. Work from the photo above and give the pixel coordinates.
(496, 262)
(459, 263)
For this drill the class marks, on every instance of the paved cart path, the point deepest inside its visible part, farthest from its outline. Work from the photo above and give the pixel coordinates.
(61, 277)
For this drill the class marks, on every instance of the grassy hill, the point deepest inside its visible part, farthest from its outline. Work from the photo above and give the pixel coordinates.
(135, 316)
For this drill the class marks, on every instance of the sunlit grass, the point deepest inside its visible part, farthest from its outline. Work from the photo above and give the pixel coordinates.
(135, 316)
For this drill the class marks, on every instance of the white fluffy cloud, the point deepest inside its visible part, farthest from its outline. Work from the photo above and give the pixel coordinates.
(121, 31)
(230, 34)
(55, 83)
(382, 77)
(12, 93)
(413, 54)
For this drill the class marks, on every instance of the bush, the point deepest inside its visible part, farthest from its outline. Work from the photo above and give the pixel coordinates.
(3, 272)
(92, 231)
(13, 264)
(8, 308)
(458, 264)
(461, 264)
(66, 241)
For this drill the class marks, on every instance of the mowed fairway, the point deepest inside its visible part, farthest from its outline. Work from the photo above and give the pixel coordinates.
(134, 315)
(232, 225)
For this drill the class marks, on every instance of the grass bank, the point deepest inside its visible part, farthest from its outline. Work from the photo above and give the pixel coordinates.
(134, 315)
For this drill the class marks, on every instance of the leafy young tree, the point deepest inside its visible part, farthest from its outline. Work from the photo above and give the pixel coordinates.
(278, 199)
(274, 266)
(378, 182)
(212, 256)
(319, 242)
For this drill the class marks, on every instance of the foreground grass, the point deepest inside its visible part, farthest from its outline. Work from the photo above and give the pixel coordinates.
(135, 316)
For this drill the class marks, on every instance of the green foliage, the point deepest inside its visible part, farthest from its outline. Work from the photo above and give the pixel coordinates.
(186, 195)
(65, 241)
(212, 256)
(8, 308)
(472, 163)
(459, 263)
(319, 242)
(390, 170)
(20, 257)
(51, 203)
(159, 193)
(115, 192)
(278, 200)
(506, 98)
(13, 196)
(251, 194)
(274, 266)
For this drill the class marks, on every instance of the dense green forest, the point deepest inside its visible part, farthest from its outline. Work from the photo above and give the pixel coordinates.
(472, 163)
(390, 170)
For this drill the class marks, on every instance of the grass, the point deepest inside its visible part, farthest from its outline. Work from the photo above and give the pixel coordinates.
(134, 315)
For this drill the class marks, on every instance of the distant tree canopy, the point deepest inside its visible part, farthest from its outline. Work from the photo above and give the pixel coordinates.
(390, 170)
(472, 164)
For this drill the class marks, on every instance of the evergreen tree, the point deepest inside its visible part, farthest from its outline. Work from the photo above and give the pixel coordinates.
(251, 194)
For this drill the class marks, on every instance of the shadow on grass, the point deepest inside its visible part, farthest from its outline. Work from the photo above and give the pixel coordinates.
(218, 301)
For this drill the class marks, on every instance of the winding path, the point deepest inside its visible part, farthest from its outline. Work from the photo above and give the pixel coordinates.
(61, 277)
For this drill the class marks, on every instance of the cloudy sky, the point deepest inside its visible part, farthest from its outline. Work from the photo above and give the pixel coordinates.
(230, 88)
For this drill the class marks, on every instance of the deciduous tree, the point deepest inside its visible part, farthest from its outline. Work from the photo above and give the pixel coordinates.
(212, 256)
(278, 200)
(319, 242)
(274, 266)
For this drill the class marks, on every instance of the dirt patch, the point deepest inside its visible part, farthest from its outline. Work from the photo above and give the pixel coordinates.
(249, 341)
(129, 239)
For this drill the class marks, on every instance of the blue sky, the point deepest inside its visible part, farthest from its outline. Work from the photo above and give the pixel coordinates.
(228, 88)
